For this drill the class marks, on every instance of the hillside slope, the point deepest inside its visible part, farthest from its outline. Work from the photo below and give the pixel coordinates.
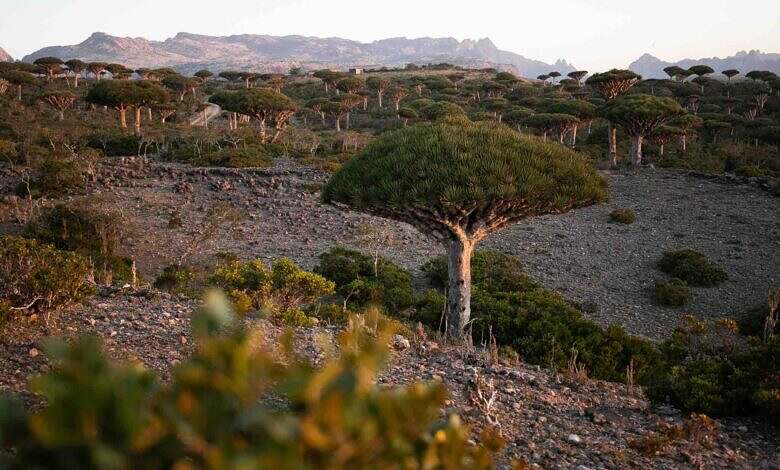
(4, 56)
(188, 52)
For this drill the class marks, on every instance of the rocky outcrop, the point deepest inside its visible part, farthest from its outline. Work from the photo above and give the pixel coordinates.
(4, 56)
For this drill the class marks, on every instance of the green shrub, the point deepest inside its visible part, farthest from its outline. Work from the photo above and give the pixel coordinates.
(88, 230)
(114, 143)
(221, 410)
(357, 281)
(711, 368)
(751, 322)
(623, 216)
(53, 178)
(281, 291)
(175, 278)
(692, 267)
(540, 325)
(672, 293)
(40, 276)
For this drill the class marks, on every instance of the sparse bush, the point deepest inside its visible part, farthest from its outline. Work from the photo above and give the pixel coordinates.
(114, 143)
(672, 293)
(353, 273)
(38, 277)
(623, 216)
(281, 291)
(692, 267)
(91, 231)
(712, 369)
(213, 414)
(52, 178)
(175, 278)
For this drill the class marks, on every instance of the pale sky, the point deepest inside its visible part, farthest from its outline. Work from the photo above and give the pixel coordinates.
(592, 34)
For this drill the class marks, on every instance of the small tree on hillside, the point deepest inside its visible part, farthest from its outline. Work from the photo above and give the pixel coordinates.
(405, 114)
(674, 72)
(460, 182)
(18, 79)
(336, 110)
(76, 67)
(59, 100)
(350, 85)
(551, 122)
(516, 116)
(585, 113)
(119, 71)
(663, 135)
(687, 124)
(701, 71)
(640, 115)
(379, 85)
(114, 94)
(146, 94)
(351, 101)
(52, 66)
(230, 75)
(730, 73)
(262, 104)
(554, 75)
(96, 69)
(329, 78)
(577, 76)
(315, 104)
(610, 85)
(203, 74)
(396, 95)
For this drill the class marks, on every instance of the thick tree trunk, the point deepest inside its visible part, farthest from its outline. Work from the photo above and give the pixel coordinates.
(349, 116)
(123, 117)
(684, 142)
(613, 144)
(544, 136)
(262, 130)
(19, 92)
(636, 150)
(574, 136)
(459, 289)
(149, 112)
(137, 120)
(62, 115)
(76, 79)
(379, 96)
(662, 149)
(338, 124)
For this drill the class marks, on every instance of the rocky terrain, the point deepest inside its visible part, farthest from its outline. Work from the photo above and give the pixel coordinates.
(4, 56)
(550, 420)
(191, 52)
(608, 268)
(649, 66)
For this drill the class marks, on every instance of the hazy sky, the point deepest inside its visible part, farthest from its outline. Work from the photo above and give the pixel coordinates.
(592, 34)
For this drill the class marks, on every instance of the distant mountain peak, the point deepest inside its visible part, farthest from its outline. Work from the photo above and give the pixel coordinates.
(189, 52)
(4, 56)
(650, 66)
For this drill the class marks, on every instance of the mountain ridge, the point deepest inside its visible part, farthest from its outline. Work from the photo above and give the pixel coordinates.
(5, 56)
(188, 52)
(650, 66)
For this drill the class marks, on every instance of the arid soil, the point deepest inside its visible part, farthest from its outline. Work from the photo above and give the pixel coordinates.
(555, 421)
(608, 268)
(550, 420)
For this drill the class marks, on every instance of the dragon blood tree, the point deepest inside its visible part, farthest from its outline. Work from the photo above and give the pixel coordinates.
(610, 85)
(640, 115)
(458, 182)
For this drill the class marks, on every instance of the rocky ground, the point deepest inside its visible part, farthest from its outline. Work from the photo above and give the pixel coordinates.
(550, 420)
(606, 267)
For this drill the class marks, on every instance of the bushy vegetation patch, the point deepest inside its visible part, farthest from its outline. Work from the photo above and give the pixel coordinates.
(282, 291)
(540, 325)
(623, 216)
(363, 280)
(38, 277)
(89, 230)
(221, 410)
(672, 293)
(114, 143)
(176, 278)
(692, 267)
(712, 368)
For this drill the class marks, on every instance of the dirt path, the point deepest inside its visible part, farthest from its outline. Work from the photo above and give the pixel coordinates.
(202, 118)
